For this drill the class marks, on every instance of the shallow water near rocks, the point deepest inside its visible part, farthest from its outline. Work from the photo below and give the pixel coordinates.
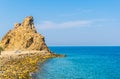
(82, 63)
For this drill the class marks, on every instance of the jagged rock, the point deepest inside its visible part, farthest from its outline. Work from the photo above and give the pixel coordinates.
(24, 37)
(28, 22)
(16, 25)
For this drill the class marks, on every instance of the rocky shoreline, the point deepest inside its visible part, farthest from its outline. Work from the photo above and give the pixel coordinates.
(21, 65)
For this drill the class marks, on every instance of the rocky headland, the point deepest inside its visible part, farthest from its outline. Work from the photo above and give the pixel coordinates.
(24, 37)
(23, 48)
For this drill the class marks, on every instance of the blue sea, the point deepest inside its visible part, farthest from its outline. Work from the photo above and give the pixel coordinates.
(82, 62)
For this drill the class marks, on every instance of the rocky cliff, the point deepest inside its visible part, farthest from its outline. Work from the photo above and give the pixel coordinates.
(24, 37)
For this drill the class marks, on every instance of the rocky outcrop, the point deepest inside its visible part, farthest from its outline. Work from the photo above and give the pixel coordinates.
(24, 37)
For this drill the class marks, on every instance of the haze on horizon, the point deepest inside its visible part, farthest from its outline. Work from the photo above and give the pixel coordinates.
(67, 22)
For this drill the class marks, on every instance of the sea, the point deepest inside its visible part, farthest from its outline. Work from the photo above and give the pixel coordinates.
(82, 62)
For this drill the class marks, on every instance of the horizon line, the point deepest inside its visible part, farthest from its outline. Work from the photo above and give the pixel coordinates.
(84, 46)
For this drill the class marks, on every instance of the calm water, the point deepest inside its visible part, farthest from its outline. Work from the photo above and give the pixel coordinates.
(82, 63)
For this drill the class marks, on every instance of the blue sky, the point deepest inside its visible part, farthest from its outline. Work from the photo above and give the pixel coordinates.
(67, 22)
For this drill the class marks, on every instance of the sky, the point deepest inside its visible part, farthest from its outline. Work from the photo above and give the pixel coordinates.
(67, 22)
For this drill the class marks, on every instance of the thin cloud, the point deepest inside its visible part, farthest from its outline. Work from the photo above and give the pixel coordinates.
(69, 24)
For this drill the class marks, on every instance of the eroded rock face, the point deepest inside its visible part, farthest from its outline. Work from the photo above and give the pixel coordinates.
(24, 37)
(28, 21)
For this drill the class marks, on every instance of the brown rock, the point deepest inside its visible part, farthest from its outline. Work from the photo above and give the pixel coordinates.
(24, 37)
(16, 25)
